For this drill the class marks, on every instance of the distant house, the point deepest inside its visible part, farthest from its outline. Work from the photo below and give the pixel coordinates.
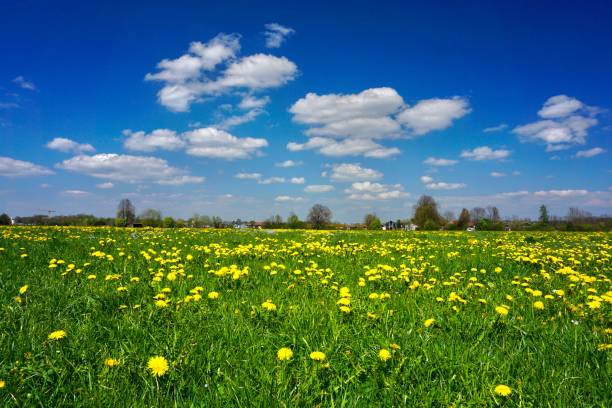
(471, 228)
(507, 228)
(255, 224)
(411, 227)
(389, 226)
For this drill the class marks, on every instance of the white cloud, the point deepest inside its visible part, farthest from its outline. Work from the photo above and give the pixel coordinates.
(431, 184)
(485, 153)
(351, 172)
(252, 102)
(272, 180)
(66, 145)
(215, 143)
(163, 139)
(520, 193)
(248, 176)
(288, 163)
(351, 125)
(590, 152)
(368, 191)
(497, 174)
(276, 34)
(559, 106)
(565, 123)
(75, 193)
(195, 74)
(432, 161)
(17, 168)
(22, 83)
(561, 193)
(236, 120)
(298, 180)
(319, 188)
(129, 169)
(434, 114)
(105, 186)
(288, 199)
(497, 128)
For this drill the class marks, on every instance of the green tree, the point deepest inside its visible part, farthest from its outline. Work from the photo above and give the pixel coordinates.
(5, 219)
(372, 222)
(426, 210)
(169, 222)
(543, 215)
(464, 219)
(293, 221)
(151, 218)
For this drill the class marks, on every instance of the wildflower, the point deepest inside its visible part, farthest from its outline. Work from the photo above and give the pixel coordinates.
(111, 362)
(503, 390)
(498, 269)
(317, 356)
(213, 295)
(501, 310)
(161, 303)
(23, 289)
(268, 305)
(384, 355)
(284, 354)
(429, 322)
(158, 366)
(345, 309)
(395, 346)
(538, 305)
(57, 335)
(2, 384)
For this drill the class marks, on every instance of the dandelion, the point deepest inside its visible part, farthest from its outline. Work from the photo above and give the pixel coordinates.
(429, 322)
(284, 354)
(57, 335)
(268, 305)
(501, 310)
(384, 355)
(317, 356)
(161, 303)
(23, 289)
(2, 384)
(111, 362)
(538, 305)
(395, 346)
(158, 366)
(213, 295)
(503, 390)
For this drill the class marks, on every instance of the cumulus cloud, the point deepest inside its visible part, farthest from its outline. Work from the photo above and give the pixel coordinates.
(159, 139)
(75, 193)
(105, 186)
(352, 124)
(288, 163)
(497, 174)
(368, 191)
(565, 123)
(66, 145)
(129, 169)
(561, 193)
(236, 120)
(272, 180)
(351, 172)
(318, 188)
(485, 153)
(590, 152)
(276, 34)
(252, 102)
(298, 180)
(196, 74)
(432, 161)
(22, 83)
(18, 168)
(431, 184)
(289, 199)
(248, 176)
(497, 128)
(434, 114)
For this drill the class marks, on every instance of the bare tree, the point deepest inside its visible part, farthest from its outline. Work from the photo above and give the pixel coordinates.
(477, 214)
(493, 214)
(319, 216)
(464, 219)
(126, 212)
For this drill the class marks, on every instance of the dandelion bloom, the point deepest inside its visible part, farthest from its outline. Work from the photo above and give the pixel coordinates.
(23, 289)
(158, 365)
(503, 390)
(111, 362)
(57, 335)
(213, 295)
(384, 355)
(284, 354)
(501, 310)
(429, 322)
(317, 356)
(268, 305)
(538, 305)
(2, 384)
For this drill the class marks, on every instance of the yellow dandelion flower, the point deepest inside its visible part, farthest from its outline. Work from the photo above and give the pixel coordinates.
(57, 335)
(111, 362)
(395, 346)
(501, 310)
(503, 390)
(2, 384)
(538, 305)
(384, 355)
(268, 305)
(429, 322)
(158, 365)
(213, 295)
(284, 354)
(23, 289)
(161, 303)
(317, 356)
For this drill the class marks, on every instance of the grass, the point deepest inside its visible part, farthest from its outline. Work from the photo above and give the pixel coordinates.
(223, 351)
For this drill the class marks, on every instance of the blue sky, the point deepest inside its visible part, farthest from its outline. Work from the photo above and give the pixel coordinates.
(246, 110)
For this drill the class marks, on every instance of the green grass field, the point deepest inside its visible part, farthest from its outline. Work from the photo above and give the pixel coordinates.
(528, 311)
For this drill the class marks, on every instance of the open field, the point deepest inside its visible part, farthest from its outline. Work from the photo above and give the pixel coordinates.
(415, 319)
